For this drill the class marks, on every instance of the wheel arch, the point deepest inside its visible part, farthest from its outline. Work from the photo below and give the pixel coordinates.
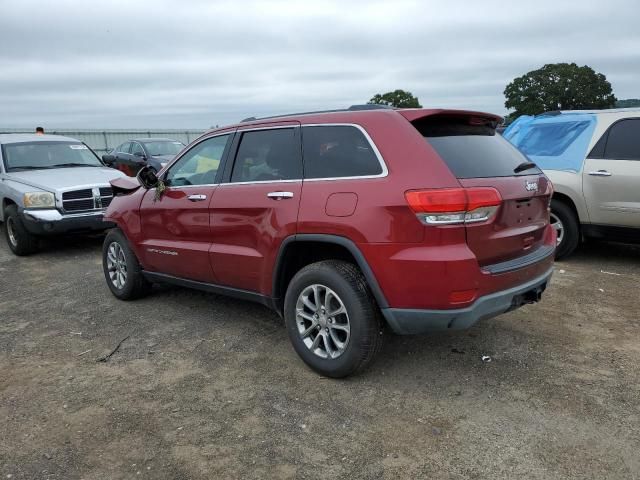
(300, 250)
(566, 199)
(6, 201)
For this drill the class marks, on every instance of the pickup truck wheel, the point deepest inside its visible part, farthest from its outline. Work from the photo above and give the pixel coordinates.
(122, 270)
(20, 241)
(564, 220)
(333, 321)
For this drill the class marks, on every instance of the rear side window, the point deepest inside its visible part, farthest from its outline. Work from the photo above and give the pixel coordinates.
(471, 149)
(336, 151)
(267, 156)
(551, 139)
(623, 142)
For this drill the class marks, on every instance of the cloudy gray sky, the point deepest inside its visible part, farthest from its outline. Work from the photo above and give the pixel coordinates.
(179, 64)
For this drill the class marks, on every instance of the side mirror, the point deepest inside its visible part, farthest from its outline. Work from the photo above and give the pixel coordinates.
(140, 154)
(147, 177)
(109, 159)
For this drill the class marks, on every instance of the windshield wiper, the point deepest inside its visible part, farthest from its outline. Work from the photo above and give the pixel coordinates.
(524, 166)
(63, 165)
(27, 167)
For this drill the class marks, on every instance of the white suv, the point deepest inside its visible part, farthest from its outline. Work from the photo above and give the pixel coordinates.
(593, 159)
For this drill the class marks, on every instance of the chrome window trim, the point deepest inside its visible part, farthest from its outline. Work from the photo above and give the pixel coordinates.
(374, 147)
(190, 186)
(258, 182)
(272, 127)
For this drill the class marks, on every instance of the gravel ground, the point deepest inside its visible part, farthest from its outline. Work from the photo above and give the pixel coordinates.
(209, 387)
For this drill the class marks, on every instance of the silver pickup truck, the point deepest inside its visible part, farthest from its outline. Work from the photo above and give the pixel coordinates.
(50, 185)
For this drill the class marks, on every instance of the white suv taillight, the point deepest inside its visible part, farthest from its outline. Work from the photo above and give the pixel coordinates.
(449, 206)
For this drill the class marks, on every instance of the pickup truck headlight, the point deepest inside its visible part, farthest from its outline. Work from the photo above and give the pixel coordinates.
(39, 200)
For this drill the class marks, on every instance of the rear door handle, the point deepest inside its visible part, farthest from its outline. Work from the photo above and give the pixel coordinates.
(197, 198)
(600, 173)
(280, 195)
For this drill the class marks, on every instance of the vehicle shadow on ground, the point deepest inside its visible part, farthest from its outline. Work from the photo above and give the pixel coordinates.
(71, 244)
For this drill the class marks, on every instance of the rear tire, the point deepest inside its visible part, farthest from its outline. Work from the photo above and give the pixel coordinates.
(121, 268)
(335, 345)
(20, 241)
(567, 227)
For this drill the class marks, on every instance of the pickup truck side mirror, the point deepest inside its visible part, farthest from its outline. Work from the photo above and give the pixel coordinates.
(109, 160)
(147, 177)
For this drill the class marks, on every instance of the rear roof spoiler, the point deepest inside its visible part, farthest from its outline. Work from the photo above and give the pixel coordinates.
(419, 113)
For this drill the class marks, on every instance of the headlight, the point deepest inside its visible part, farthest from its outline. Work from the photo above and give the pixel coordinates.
(39, 200)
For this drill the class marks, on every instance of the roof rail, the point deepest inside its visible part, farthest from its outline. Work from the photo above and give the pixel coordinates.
(352, 108)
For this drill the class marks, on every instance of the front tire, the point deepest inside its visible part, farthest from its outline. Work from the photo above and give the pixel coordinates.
(122, 271)
(332, 319)
(20, 241)
(564, 220)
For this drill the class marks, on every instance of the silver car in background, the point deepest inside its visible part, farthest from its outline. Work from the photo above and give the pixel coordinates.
(50, 185)
(592, 158)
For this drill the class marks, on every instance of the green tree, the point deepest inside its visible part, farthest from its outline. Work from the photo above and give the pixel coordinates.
(559, 86)
(397, 98)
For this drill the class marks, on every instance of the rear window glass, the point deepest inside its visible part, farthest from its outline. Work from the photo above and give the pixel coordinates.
(551, 139)
(335, 151)
(473, 151)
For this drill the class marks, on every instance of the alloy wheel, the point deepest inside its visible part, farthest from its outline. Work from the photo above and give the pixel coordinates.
(117, 265)
(556, 223)
(11, 232)
(322, 321)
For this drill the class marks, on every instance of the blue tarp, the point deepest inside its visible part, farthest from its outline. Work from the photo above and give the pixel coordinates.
(553, 142)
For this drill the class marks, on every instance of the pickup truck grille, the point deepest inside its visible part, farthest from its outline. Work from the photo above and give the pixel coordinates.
(87, 200)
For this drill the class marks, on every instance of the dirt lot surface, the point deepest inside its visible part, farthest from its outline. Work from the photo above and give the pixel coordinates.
(209, 387)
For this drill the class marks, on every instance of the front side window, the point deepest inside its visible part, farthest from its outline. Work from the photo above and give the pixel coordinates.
(334, 151)
(47, 155)
(137, 149)
(623, 142)
(199, 166)
(268, 155)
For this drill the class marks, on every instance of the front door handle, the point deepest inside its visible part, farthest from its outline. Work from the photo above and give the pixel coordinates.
(280, 195)
(197, 198)
(600, 173)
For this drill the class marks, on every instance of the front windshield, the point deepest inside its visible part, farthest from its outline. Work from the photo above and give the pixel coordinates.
(156, 149)
(45, 155)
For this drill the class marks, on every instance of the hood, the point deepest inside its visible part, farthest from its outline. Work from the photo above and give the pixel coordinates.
(60, 179)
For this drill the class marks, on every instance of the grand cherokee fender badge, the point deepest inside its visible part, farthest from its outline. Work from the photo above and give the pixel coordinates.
(162, 252)
(531, 186)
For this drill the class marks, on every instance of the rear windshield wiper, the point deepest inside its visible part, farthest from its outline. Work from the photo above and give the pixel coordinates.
(524, 166)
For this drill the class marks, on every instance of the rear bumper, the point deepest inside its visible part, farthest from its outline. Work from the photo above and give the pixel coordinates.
(415, 321)
(52, 222)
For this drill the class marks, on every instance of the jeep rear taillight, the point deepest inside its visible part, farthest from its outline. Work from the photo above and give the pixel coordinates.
(449, 206)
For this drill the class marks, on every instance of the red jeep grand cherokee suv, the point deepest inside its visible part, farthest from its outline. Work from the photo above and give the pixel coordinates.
(344, 222)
